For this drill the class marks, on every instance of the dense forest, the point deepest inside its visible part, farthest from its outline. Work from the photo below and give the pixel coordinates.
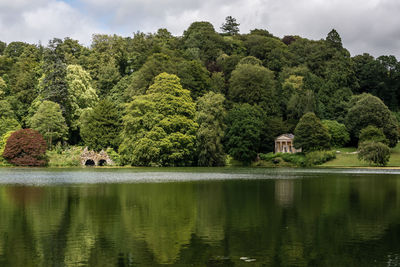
(161, 100)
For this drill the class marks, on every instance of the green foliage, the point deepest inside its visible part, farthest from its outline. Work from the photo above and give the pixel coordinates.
(3, 88)
(271, 51)
(114, 156)
(81, 94)
(210, 118)
(368, 110)
(333, 39)
(194, 77)
(8, 124)
(250, 60)
(319, 157)
(201, 36)
(67, 157)
(297, 159)
(101, 126)
(159, 127)
(143, 78)
(310, 159)
(254, 84)
(371, 133)
(23, 78)
(49, 121)
(310, 134)
(272, 126)
(243, 134)
(54, 86)
(375, 153)
(3, 142)
(300, 103)
(217, 82)
(230, 27)
(338, 133)
(6, 109)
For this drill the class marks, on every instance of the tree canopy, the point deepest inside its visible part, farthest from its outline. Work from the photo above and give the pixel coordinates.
(210, 117)
(310, 134)
(101, 126)
(49, 121)
(368, 110)
(159, 127)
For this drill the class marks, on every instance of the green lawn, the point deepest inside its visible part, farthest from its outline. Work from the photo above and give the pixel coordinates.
(344, 159)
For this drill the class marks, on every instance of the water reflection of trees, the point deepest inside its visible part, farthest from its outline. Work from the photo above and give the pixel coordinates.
(333, 220)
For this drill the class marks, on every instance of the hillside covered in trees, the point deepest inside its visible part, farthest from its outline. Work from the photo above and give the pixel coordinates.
(161, 100)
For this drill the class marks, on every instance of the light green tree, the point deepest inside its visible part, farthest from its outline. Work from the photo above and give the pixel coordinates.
(159, 127)
(3, 142)
(210, 117)
(49, 121)
(81, 94)
(338, 133)
(7, 118)
(3, 87)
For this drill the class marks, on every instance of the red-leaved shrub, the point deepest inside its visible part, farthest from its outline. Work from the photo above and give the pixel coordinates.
(26, 147)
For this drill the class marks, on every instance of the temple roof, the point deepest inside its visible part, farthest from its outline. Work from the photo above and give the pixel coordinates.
(285, 137)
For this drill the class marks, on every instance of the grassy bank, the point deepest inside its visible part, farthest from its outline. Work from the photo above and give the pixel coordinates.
(348, 158)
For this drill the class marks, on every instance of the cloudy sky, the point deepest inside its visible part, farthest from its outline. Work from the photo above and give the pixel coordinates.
(371, 26)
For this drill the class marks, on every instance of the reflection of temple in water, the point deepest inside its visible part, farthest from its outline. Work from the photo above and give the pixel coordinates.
(284, 192)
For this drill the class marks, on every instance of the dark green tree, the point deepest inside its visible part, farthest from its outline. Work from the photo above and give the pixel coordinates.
(194, 77)
(310, 134)
(54, 86)
(333, 39)
(202, 37)
(210, 118)
(254, 85)
(271, 51)
(140, 80)
(230, 27)
(3, 46)
(243, 134)
(101, 126)
(368, 110)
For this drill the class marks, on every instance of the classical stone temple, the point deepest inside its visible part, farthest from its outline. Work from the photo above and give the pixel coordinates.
(91, 158)
(284, 144)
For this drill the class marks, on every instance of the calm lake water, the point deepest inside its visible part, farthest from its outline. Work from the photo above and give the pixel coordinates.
(199, 217)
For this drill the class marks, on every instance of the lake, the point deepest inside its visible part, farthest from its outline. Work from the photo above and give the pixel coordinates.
(199, 217)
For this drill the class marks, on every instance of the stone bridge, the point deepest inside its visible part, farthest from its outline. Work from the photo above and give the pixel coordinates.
(91, 158)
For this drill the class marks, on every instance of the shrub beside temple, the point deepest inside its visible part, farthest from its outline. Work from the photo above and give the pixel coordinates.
(26, 147)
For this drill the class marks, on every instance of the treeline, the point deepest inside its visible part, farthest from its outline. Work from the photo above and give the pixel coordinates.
(165, 100)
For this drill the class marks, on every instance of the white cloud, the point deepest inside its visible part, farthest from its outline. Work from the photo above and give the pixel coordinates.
(44, 21)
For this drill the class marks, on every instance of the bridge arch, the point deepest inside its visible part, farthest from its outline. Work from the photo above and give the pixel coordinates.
(90, 162)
